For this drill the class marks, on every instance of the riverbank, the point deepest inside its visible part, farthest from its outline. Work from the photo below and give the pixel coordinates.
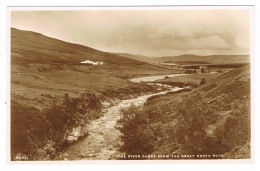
(191, 78)
(103, 141)
(99, 144)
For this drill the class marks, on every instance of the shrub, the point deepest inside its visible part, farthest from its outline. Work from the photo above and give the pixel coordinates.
(136, 137)
(193, 118)
(236, 131)
(32, 128)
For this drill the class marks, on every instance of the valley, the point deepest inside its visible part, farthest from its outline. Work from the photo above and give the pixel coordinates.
(72, 102)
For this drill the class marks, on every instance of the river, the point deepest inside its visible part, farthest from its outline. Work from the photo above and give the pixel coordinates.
(103, 142)
(153, 78)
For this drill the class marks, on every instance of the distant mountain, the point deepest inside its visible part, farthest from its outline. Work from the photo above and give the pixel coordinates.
(186, 62)
(27, 46)
(215, 59)
(191, 59)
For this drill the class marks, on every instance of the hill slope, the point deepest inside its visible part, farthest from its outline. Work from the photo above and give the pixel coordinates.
(212, 119)
(42, 66)
(34, 47)
(136, 57)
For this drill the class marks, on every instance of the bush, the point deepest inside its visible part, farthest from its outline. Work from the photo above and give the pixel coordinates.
(236, 132)
(32, 128)
(20, 127)
(193, 124)
(194, 118)
(136, 137)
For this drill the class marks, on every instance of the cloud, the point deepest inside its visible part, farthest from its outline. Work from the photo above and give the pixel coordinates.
(148, 32)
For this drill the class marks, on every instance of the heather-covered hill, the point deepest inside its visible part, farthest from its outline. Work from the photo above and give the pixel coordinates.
(212, 119)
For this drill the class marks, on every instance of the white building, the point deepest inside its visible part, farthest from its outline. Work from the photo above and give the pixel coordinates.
(92, 62)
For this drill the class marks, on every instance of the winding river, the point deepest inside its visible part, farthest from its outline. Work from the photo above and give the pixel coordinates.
(103, 142)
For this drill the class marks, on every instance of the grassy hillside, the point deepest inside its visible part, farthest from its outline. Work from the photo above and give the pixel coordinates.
(43, 66)
(195, 78)
(212, 120)
(34, 47)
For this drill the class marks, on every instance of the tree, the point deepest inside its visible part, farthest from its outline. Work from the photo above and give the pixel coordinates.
(202, 70)
(203, 81)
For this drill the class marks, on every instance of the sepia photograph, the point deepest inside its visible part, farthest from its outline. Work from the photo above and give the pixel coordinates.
(166, 83)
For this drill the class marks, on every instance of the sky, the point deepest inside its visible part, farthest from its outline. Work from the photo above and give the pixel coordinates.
(150, 33)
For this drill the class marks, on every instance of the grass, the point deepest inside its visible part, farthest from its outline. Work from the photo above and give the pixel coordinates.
(31, 84)
(196, 78)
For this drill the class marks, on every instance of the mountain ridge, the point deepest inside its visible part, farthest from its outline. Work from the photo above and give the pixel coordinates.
(216, 59)
(32, 42)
